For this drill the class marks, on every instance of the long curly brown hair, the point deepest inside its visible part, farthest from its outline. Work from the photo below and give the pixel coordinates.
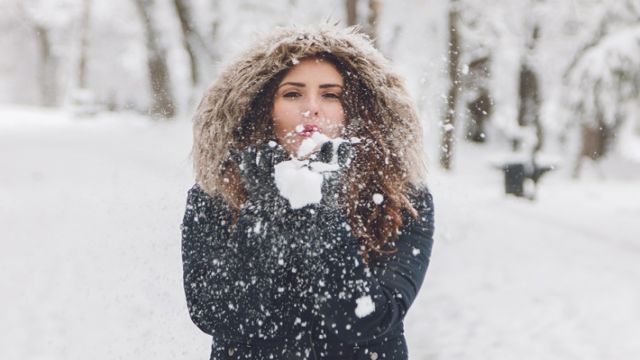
(375, 168)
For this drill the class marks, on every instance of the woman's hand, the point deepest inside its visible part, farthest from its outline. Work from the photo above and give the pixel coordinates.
(339, 152)
(338, 155)
(256, 164)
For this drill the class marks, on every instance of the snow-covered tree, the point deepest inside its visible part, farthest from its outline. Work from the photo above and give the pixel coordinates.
(604, 88)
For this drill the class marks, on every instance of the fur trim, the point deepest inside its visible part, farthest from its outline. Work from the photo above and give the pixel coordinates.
(228, 99)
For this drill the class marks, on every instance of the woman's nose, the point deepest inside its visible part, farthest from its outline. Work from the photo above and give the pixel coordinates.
(312, 108)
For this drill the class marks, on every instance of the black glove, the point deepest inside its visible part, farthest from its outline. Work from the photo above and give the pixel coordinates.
(342, 155)
(256, 164)
(341, 158)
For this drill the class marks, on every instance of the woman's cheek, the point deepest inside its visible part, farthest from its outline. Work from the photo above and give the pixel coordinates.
(336, 124)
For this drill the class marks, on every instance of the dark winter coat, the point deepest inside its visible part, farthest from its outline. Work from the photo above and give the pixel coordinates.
(290, 284)
(241, 287)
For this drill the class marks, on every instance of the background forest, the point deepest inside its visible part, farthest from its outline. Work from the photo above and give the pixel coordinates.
(532, 73)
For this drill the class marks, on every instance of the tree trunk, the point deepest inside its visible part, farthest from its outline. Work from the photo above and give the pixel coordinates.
(528, 103)
(446, 148)
(529, 99)
(372, 20)
(352, 12)
(184, 15)
(479, 110)
(46, 68)
(162, 99)
(593, 143)
(479, 104)
(213, 52)
(84, 44)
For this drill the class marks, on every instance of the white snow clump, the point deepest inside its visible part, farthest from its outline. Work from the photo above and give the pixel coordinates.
(364, 306)
(300, 181)
(297, 183)
(310, 143)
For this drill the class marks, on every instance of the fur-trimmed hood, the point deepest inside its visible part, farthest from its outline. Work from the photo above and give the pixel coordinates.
(227, 100)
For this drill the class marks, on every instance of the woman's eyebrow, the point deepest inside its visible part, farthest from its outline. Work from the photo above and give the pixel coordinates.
(324, 86)
(299, 84)
(291, 83)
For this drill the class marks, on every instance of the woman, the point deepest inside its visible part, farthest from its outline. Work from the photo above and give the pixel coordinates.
(309, 230)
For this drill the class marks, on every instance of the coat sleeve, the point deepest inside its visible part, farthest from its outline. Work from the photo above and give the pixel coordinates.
(358, 303)
(231, 281)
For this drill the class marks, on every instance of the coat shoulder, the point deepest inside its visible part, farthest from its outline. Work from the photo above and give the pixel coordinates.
(421, 199)
(205, 208)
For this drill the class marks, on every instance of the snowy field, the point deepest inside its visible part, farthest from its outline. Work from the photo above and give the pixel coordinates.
(90, 260)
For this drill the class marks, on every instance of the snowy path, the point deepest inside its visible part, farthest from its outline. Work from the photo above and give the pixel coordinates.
(90, 257)
(554, 279)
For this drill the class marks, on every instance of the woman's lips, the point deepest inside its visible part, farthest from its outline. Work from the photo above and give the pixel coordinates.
(308, 130)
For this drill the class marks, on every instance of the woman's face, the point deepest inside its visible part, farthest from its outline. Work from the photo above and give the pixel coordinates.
(308, 95)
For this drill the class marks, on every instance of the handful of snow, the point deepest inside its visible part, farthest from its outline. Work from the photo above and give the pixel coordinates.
(300, 181)
(297, 183)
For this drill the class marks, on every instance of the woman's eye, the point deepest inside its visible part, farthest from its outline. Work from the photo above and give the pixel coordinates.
(291, 94)
(331, 96)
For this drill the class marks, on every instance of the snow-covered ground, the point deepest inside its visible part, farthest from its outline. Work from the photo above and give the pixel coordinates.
(90, 251)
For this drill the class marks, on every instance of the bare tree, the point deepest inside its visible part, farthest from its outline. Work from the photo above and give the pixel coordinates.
(81, 97)
(162, 97)
(448, 124)
(84, 44)
(354, 18)
(479, 33)
(47, 62)
(479, 103)
(198, 49)
(595, 140)
(372, 20)
(184, 15)
(47, 67)
(352, 12)
(529, 96)
(214, 30)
